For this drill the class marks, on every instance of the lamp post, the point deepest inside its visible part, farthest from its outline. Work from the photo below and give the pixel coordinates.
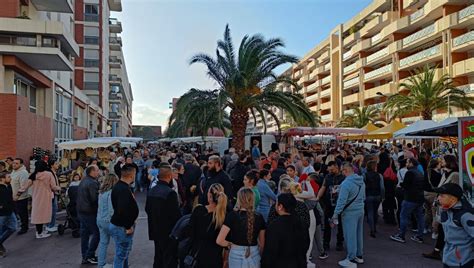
(449, 108)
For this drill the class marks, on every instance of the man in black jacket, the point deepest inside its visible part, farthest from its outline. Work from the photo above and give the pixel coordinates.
(413, 185)
(280, 170)
(125, 214)
(215, 174)
(238, 172)
(87, 204)
(191, 176)
(163, 212)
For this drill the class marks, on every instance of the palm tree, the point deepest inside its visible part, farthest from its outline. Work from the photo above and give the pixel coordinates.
(359, 117)
(196, 112)
(247, 82)
(425, 95)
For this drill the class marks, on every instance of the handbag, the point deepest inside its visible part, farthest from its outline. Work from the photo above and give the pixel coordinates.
(389, 174)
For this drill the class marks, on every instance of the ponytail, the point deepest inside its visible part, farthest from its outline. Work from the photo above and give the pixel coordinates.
(220, 199)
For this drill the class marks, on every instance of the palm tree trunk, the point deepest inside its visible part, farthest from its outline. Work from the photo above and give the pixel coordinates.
(426, 115)
(238, 119)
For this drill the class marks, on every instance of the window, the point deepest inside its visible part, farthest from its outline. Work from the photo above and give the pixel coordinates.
(63, 118)
(91, 12)
(26, 89)
(91, 58)
(91, 81)
(32, 99)
(91, 35)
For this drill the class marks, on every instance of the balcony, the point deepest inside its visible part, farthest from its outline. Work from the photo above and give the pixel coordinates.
(115, 5)
(351, 38)
(462, 68)
(312, 98)
(465, 13)
(323, 57)
(311, 65)
(346, 55)
(385, 89)
(115, 62)
(419, 36)
(376, 24)
(61, 6)
(417, 14)
(325, 93)
(464, 42)
(469, 89)
(115, 26)
(326, 117)
(115, 43)
(353, 98)
(114, 116)
(421, 56)
(378, 106)
(377, 55)
(350, 68)
(378, 73)
(300, 81)
(298, 74)
(326, 105)
(312, 87)
(348, 112)
(114, 79)
(325, 80)
(351, 83)
(115, 97)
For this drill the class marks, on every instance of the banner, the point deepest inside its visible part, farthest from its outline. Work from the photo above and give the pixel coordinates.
(466, 147)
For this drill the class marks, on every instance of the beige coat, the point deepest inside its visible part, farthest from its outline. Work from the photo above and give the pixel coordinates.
(42, 195)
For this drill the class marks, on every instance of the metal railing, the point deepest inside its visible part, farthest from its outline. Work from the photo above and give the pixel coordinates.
(377, 55)
(348, 112)
(420, 55)
(382, 70)
(462, 39)
(377, 105)
(418, 35)
(326, 117)
(326, 92)
(466, 12)
(18, 40)
(467, 88)
(416, 15)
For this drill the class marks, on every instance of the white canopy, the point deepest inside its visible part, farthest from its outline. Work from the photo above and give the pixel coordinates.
(89, 143)
(198, 139)
(126, 141)
(417, 126)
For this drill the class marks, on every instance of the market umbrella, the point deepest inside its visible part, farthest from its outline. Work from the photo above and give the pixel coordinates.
(387, 131)
(369, 128)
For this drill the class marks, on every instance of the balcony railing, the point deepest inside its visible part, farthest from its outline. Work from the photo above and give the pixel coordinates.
(467, 88)
(377, 55)
(326, 92)
(416, 15)
(377, 105)
(418, 35)
(325, 80)
(350, 67)
(420, 55)
(374, 39)
(351, 82)
(382, 70)
(326, 117)
(327, 66)
(346, 55)
(312, 98)
(348, 112)
(18, 40)
(462, 39)
(466, 12)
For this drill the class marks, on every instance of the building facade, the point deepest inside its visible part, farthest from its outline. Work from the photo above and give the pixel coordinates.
(54, 73)
(363, 61)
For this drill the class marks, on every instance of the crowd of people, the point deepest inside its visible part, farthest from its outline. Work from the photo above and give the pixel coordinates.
(249, 209)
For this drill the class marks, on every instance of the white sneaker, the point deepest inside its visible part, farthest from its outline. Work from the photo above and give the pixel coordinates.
(42, 235)
(347, 263)
(434, 236)
(52, 229)
(358, 260)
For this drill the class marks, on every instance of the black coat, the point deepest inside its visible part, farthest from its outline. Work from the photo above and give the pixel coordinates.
(163, 212)
(237, 174)
(277, 173)
(414, 185)
(191, 176)
(220, 177)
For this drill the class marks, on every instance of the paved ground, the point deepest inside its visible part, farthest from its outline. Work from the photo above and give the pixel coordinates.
(64, 251)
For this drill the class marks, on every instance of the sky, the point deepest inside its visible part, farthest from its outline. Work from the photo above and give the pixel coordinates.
(160, 36)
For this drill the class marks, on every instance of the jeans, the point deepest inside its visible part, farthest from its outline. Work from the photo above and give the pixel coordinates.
(123, 245)
(317, 247)
(372, 204)
(328, 213)
(52, 223)
(105, 234)
(21, 207)
(7, 227)
(237, 257)
(405, 216)
(353, 226)
(89, 235)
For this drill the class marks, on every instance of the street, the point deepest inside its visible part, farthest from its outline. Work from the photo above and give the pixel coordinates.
(64, 251)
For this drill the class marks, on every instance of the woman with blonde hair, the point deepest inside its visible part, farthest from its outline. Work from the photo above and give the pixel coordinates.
(206, 222)
(247, 232)
(104, 213)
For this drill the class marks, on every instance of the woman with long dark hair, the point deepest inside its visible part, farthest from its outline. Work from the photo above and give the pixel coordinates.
(286, 239)
(374, 192)
(247, 232)
(206, 222)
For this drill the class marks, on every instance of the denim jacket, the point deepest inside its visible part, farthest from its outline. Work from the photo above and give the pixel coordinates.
(106, 210)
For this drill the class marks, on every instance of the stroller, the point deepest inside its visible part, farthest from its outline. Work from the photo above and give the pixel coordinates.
(72, 221)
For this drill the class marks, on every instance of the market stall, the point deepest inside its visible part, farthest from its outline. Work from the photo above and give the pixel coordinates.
(417, 126)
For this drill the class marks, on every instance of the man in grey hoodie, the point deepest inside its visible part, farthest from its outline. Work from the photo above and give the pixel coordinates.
(350, 205)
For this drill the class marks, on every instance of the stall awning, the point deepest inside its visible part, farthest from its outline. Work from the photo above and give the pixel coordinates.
(311, 131)
(417, 126)
(447, 127)
(89, 143)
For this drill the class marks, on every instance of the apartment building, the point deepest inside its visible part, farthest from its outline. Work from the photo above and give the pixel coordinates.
(37, 51)
(363, 61)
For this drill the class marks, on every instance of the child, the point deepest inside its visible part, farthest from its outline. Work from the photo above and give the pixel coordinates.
(7, 217)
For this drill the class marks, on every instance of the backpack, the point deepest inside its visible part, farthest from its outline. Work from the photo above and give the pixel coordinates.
(180, 234)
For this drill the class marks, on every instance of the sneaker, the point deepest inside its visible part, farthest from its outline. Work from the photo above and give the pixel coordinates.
(42, 235)
(358, 260)
(52, 229)
(417, 239)
(414, 230)
(339, 247)
(347, 263)
(397, 238)
(435, 255)
(323, 256)
(434, 236)
(92, 260)
(22, 231)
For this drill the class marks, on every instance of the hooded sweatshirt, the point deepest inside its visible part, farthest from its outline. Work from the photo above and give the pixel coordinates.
(352, 187)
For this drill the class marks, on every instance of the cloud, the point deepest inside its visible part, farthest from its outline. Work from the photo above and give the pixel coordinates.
(146, 115)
